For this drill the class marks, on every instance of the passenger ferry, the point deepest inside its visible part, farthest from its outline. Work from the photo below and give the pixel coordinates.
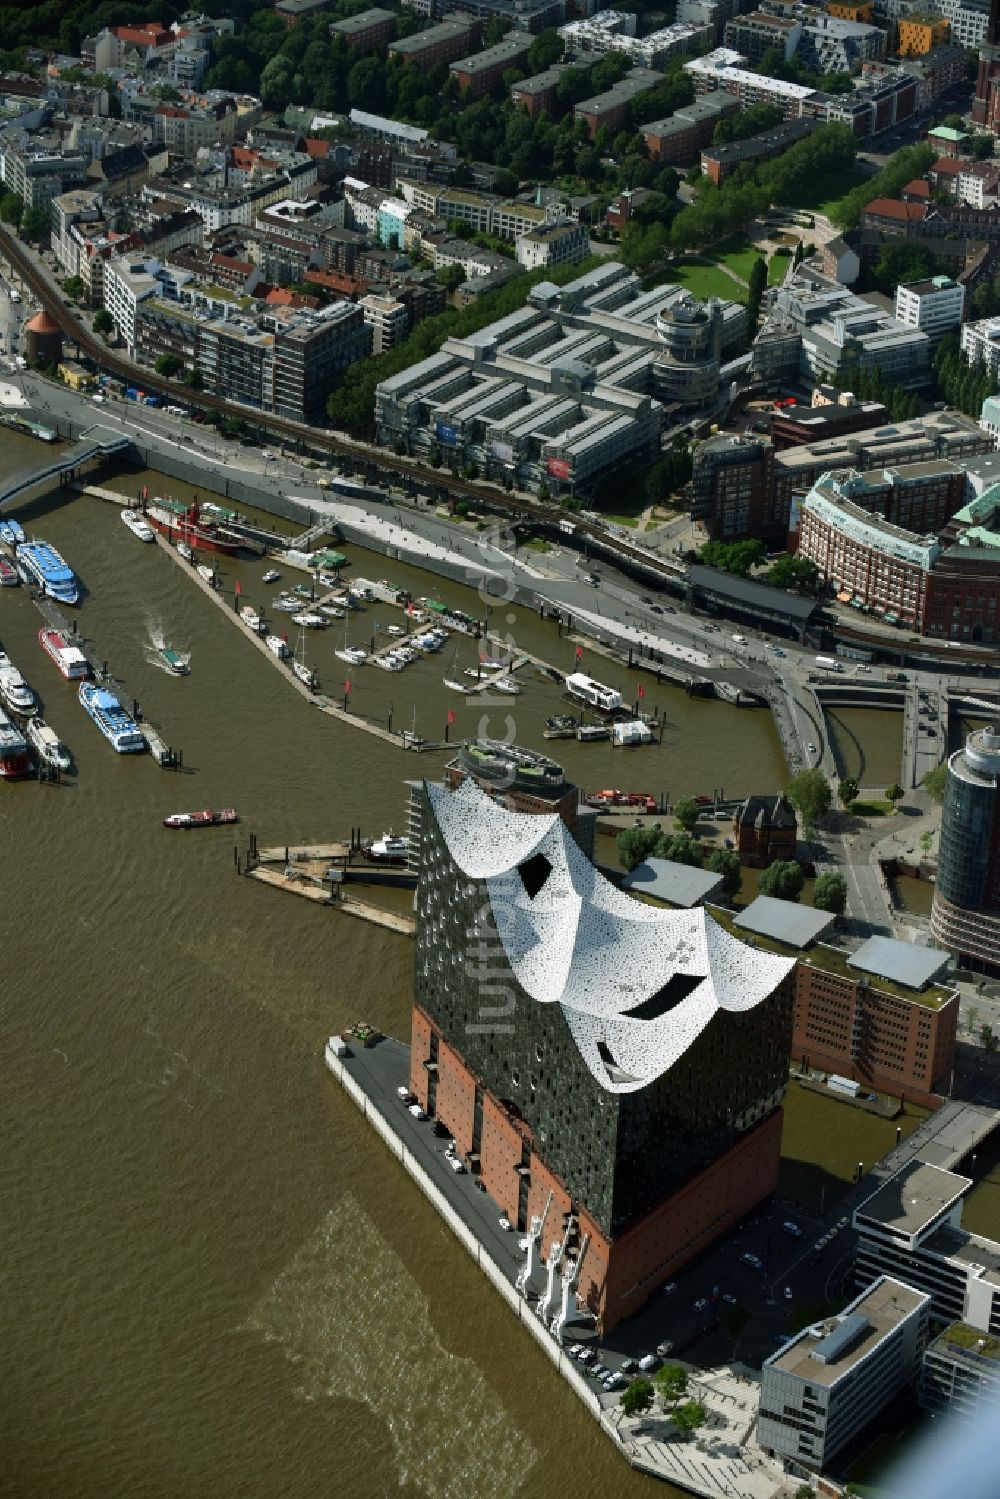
(14, 757)
(45, 742)
(41, 564)
(389, 849)
(118, 727)
(595, 695)
(138, 526)
(69, 658)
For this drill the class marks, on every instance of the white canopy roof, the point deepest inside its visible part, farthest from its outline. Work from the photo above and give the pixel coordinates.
(581, 943)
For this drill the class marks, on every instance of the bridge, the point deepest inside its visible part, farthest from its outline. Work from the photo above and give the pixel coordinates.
(98, 444)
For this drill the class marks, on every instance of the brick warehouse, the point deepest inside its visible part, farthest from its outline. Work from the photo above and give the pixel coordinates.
(627, 1060)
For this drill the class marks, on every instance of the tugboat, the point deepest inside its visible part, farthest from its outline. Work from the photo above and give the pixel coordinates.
(206, 819)
(389, 849)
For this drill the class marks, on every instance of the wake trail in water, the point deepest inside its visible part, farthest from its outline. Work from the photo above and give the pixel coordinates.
(156, 642)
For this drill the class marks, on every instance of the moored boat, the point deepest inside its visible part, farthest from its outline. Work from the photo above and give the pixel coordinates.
(354, 654)
(14, 690)
(389, 849)
(14, 758)
(305, 675)
(208, 573)
(118, 727)
(278, 647)
(176, 664)
(69, 658)
(635, 801)
(310, 620)
(271, 576)
(39, 563)
(139, 527)
(186, 523)
(183, 550)
(205, 819)
(252, 619)
(8, 574)
(46, 744)
(12, 532)
(505, 684)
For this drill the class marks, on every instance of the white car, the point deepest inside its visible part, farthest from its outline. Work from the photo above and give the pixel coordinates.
(701, 1305)
(788, 1293)
(739, 640)
(417, 1111)
(97, 400)
(456, 1165)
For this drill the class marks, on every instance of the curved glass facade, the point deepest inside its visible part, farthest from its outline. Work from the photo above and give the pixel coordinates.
(968, 856)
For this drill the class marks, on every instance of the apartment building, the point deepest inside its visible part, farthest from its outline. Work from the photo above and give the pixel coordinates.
(825, 1385)
(38, 173)
(719, 162)
(611, 110)
(539, 92)
(449, 40)
(562, 242)
(367, 31)
(920, 33)
(723, 70)
(482, 73)
(981, 344)
(683, 135)
(756, 33)
(388, 320)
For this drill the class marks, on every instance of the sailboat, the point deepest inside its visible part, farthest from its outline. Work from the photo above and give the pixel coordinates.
(304, 673)
(354, 655)
(452, 682)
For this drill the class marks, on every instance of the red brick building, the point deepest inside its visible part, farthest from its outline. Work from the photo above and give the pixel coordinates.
(765, 829)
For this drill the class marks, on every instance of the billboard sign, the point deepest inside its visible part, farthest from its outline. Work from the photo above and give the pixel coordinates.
(446, 434)
(558, 468)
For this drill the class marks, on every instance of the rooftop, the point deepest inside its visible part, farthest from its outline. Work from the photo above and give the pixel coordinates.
(828, 1350)
(903, 962)
(969, 1340)
(915, 1197)
(784, 921)
(677, 884)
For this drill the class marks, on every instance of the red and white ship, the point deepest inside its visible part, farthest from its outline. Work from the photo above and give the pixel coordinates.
(14, 757)
(69, 658)
(186, 524)
(8, 574)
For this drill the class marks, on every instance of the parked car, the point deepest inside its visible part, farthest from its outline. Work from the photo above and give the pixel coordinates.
(728, 1299)
(789, 1296)
(792, 1230)
(629, 1366)
(649, 1362)
(417, 1111)
(670, 1288)
(701, 1305)
(664, 1348)
(751, 1260)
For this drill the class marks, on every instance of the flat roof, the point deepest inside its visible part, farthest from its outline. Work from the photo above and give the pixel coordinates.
(824, 1353)
(914, 1197)
(903, 962)
(960, 1340)
(679, 884)
(784, 921)
(758, 596)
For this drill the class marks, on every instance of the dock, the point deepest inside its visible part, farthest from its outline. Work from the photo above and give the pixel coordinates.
(304, 870)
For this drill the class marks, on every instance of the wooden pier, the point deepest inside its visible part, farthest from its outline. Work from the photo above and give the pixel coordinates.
(304, 869)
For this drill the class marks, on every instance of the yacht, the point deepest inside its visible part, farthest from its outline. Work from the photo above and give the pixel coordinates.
(310, 620)
(208, 573)
(331, 611)
(185, 551)
(505, 684)
(305, 675)
(389, 849)
(394, 630)
(118, 727)
(352, 654)
(271, 576)
(278, 647)
(45, 742)
(252, 620)
(139, 527)
(286, 603)
(14, 690)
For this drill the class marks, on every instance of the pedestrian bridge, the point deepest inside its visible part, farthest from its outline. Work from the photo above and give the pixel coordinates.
(98, 443)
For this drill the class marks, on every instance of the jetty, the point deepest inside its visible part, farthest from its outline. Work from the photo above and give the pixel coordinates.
(318, 872)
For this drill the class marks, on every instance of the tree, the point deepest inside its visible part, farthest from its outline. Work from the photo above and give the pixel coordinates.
(757, 284)
(830, 893)
(681, 848)
(637, 1397)
(73, 287)
(794, 572)
(688, 1417)
(671, 1382)
(103, 323)
(986, 1036)
(804, 1491)
(635, 845)
(809, 794)
(733, 1321)
(11, 208)
(686, 813)
(847, 791)
(168, 365)
(783, 879)
(36, 224)
(726, 861)
(934, 782)
(450, 276)
(894, 793)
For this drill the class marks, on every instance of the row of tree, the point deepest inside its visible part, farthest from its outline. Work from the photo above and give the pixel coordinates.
(902, 166)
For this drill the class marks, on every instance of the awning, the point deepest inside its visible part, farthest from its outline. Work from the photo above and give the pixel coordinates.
(843, 598)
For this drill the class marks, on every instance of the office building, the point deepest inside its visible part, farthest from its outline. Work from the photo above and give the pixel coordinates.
(981, 344)
(965, 916)
(556, 393)
(756, 33)
(388, 320)
(563, 242)
(794, 426)
(911, 1227)
(936, 306)
(631, 1068)
(823, 332)
(732, 485)
(690, 332)
(960, 1376)
(821, 1389)
(882, 1016)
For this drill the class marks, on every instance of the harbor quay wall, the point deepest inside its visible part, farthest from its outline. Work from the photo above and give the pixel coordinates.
(384, 1129)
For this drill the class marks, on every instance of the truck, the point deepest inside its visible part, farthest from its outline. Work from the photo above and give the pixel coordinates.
(828, 663)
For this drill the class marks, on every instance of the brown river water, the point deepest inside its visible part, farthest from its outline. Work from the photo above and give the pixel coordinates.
(217, 1282)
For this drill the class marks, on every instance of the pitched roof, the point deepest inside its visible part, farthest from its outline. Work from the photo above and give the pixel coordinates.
(891, 208)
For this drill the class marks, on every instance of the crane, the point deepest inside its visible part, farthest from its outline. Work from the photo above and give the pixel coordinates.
(535, 1231)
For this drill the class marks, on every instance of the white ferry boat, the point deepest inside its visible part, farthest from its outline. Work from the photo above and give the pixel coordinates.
(594, 695)
(118, 727)
(46, 744)
(139, 527)
(69, 658)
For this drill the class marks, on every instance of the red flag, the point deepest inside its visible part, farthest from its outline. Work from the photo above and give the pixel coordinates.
(285, 639)
(640, 691)
(347, 686)
(451, 715)
(239, 586)
(579, 652)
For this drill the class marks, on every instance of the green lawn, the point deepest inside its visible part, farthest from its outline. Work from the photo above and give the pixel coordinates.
(824, 1139)
(739, 258)
(708, 281)
(776, 269)
(622, 520)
